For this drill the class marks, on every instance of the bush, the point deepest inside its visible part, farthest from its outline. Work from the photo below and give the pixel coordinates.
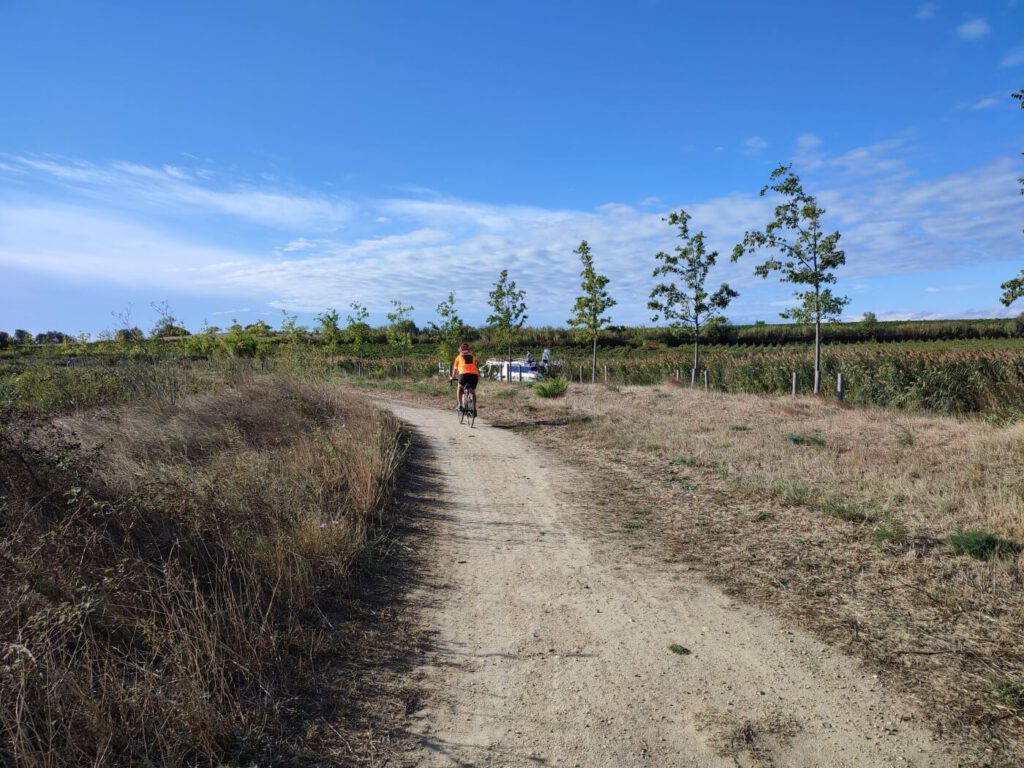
(982, 545)
(555, 387)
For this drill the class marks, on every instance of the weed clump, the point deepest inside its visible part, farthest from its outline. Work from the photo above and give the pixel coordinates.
(555, 387)
(850, 511)
(797, 438)
(982, 545)
(685, 460)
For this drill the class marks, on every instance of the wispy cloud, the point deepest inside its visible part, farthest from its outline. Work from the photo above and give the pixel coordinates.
(985, 103)
(299, 244)
(133, 184)
(925, 11)
(1012, 58)
(86, 222)
(754, 145)
(975, 29)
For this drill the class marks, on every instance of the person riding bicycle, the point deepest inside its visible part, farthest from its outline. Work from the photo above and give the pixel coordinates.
(465, 368)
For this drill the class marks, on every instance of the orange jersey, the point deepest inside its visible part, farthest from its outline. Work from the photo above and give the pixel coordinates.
(465, 363)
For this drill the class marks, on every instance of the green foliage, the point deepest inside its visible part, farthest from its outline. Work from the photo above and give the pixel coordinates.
(890, 531)
(133, 335)
(589, 311)
(357, 329)
(982, 545)
(290, 330)
(239, 342)
(399, 331)
(330, 331)
(801, 439)
(679, 650)
(803, 254)
(554, 387)
(904, 437)
(1008, 692)
(167, 324)
(689, 306)
(449, 328)
(508, 310)
(851, 511)
(685, 460)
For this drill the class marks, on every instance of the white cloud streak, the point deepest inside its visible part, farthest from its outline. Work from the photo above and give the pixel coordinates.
(1012, 58)
(925, 11)
(755, 145)
(892, 223)
(975, 29)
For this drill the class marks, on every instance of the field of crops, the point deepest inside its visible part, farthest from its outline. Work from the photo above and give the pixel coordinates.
(981, 375)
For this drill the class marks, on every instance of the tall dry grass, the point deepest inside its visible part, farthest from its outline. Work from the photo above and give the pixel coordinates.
(158, 563)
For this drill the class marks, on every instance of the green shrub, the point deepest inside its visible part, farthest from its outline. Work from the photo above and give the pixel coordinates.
(981, 544)
(890, 531)
(850, 511)
(904, 437)
(551, 387)
(800, 439)
(685, 460)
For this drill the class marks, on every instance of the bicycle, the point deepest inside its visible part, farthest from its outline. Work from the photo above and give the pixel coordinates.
(467, 408)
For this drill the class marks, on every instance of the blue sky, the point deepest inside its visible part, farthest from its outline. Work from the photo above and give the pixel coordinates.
(237, 159)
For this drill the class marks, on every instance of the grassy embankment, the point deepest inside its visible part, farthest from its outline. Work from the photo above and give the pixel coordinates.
(893, 536)
(163, 560)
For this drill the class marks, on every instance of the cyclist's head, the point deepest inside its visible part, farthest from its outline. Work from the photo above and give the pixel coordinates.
(464, 347)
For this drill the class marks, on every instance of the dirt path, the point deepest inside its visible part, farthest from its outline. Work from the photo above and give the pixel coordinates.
(550, 644)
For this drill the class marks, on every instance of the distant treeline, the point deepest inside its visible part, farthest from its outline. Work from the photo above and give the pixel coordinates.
(250, 337)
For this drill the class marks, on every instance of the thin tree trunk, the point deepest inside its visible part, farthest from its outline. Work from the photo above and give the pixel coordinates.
(817, 344)
(696, 348)
(593, 362)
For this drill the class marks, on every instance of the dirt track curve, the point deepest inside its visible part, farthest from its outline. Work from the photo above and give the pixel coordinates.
(550, 642)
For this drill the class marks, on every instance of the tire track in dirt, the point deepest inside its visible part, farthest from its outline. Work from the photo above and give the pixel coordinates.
(548, 646)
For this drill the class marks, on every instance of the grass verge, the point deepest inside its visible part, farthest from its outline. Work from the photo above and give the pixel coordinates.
(161, 568)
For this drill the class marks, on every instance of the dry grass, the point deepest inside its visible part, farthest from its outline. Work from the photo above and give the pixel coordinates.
(840, 518)
(159, 567)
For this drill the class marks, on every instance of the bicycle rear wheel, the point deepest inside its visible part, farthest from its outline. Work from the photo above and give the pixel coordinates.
(471, 406)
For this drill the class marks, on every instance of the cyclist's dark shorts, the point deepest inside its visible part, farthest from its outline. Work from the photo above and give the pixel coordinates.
(468, 380)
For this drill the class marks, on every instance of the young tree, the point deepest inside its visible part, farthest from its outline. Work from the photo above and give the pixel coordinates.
(167, 324)
(1014, 289)
(449, 328)
(588, 314)
(329, 330)
(689, 305)
(290, 329)
(400, 329)
(357, 331)
(804, 256)
(509, 311)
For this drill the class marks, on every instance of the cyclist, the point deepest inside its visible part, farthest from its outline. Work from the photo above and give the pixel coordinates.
(465, 368)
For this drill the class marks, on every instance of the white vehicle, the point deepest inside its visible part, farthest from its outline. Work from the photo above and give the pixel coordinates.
(520, 369)
(517, 370)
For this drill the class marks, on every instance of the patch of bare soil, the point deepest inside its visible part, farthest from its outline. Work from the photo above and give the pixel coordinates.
(560, 633)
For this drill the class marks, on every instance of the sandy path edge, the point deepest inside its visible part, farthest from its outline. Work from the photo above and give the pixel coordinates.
(550, 647)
